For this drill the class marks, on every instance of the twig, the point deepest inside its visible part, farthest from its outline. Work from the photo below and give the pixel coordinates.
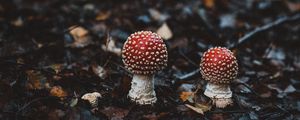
(191, 74)
(264, 28)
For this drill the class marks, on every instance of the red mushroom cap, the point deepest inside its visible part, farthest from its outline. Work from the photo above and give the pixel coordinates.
(219, 65)
(144, 52)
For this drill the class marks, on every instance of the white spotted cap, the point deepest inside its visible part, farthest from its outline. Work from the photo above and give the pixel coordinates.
(219, 66)
(144, 52)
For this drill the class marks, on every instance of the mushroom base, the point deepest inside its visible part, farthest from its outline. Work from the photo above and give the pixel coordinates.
(220, 94)
(142, 89)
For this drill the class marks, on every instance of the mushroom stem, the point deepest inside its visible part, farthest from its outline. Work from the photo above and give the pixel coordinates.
(219, 93)
(142, 89)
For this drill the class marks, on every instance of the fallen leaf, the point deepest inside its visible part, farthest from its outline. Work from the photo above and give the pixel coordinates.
(80, 36)
(92, 98)
(203, 107)
(227, 21)
(36, 80)
(209, 3)
(199, 108)
(165, 32)
(289, 89)
(157, 16)
(103, 15)
(78, 32)
(184, 96)
(18, 22)
(57, 91)
(293, 6)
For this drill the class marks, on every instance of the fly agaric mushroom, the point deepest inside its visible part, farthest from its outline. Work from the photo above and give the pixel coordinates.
(219, 67)
(144, 53)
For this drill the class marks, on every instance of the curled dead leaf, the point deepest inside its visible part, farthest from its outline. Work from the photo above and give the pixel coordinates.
(184, 96)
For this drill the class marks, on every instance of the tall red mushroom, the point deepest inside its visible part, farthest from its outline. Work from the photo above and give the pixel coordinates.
(144, 53)
(219, 67)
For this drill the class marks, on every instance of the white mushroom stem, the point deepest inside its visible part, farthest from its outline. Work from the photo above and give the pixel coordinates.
(220, 94)
(142, 89)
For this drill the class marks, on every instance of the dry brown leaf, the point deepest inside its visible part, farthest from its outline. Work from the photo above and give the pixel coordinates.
(57, 91)
(36, 80)
(18, 22)
(204, 107)
(80, 36)
(165, 32)
(184, 96)
(293, 6)
(103, 15)
(209, 3)
(78, 32)
(198, 110)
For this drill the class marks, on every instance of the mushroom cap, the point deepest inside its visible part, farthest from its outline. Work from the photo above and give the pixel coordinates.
(219, 66)
(144, 52)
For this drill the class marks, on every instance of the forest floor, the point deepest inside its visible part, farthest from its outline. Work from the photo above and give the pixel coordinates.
(54, 51)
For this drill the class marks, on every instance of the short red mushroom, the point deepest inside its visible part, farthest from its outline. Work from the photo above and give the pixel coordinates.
(144, 53)
(219, 67)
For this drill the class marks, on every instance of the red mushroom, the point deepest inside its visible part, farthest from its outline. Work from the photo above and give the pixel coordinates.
(144, 53)
(219, 67)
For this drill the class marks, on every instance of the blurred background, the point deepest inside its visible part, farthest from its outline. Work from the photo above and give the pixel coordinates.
(54, 51)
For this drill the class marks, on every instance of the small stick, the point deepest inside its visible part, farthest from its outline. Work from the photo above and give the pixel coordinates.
(188, 75)
(265, 27)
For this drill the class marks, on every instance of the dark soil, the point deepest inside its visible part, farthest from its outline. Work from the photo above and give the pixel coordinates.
(45, 68)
